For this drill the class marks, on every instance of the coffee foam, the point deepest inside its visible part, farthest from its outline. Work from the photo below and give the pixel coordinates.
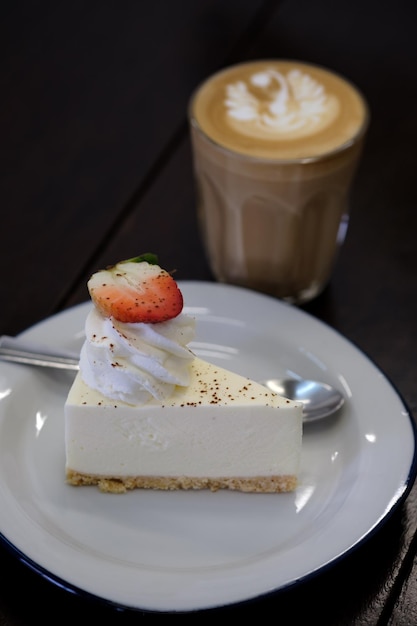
(279, 110)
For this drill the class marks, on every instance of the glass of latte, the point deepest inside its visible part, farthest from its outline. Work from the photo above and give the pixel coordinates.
(275, 147)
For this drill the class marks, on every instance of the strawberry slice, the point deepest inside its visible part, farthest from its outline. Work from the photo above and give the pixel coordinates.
(136, 290)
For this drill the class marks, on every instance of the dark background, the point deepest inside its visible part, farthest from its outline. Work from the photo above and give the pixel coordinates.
(96, 167)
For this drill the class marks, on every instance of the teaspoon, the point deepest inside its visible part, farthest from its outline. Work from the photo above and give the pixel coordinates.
(319, 399)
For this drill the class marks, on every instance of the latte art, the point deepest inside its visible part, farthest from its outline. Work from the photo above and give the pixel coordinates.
(279, 110)
(272, 104)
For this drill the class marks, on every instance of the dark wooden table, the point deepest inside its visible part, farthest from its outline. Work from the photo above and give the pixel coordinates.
(96, 167)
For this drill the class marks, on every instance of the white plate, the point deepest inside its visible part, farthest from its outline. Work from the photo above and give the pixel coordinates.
(183, 551)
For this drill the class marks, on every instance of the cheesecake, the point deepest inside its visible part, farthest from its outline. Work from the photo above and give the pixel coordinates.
(145, 412)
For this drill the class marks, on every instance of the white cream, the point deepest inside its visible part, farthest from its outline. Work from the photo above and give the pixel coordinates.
(134, 362)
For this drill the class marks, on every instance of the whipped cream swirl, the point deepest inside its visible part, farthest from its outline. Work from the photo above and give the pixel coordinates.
(134, 362)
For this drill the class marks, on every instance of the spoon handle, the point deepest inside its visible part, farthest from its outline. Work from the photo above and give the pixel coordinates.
(16, 350)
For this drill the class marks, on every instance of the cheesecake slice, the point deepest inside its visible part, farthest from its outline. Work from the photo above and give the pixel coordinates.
(144, 412)
(221, 431)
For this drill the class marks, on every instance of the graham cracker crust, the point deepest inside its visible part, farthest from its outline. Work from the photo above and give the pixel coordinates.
(258, 484)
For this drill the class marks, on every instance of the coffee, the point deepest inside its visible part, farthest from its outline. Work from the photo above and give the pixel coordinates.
(275, 148)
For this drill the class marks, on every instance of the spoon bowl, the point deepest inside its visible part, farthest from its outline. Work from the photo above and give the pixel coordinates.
(319, 399)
